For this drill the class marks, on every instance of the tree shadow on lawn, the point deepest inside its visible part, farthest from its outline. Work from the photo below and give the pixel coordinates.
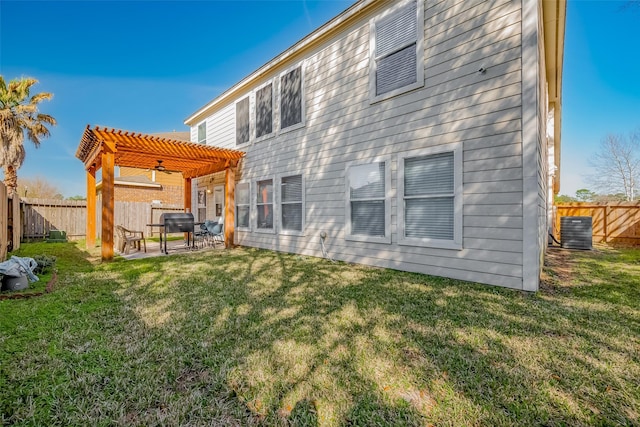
(378, 346)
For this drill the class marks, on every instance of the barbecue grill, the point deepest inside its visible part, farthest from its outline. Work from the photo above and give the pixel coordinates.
(176, 222)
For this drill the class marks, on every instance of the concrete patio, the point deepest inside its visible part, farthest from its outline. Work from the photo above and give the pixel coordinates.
(173, 247)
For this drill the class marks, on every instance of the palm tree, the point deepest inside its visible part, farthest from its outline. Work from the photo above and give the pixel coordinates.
(19, 114)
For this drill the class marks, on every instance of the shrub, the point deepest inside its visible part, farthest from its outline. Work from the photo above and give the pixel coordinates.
(45, 263)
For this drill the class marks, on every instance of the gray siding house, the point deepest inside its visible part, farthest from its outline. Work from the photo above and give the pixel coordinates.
(418, 135)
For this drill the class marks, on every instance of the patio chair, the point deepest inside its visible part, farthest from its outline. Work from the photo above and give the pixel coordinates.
(215, 232)
(200, 235)
(130, 238)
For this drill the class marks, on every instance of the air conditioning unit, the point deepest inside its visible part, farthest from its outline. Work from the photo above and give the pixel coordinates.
(576, 232)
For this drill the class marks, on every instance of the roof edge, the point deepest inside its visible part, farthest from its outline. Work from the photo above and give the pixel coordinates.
(554, 19)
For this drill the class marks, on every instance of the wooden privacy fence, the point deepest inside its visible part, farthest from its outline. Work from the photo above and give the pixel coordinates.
(40, 216)
(4, 222)
(10, 229)
(136, 215)
(617, 222)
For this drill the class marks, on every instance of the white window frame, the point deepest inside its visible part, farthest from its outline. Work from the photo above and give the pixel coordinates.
(419, 53)
(303, 109)
(254, 206)
(280, 227)
(253, 133)
(387, 202)
(456, 243)
(239, 228)
(235, 122)
(204, 141)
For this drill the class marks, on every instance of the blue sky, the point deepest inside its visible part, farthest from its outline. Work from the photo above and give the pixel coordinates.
(601, 85)
(147, 65)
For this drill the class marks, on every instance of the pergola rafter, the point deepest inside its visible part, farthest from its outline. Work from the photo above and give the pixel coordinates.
(103, 148)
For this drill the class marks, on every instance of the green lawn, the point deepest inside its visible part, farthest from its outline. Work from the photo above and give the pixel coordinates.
(246, 337)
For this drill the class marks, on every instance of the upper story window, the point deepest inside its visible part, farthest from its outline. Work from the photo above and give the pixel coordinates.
(430, 198)
(202, 133)
(264, 110)
(396, 51)
(242, 121)
(368, 207)
(291, 98)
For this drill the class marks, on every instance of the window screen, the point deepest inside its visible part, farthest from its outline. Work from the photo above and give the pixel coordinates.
(291, 200)
(264, 111)
(367, 199)
(264, 204)
(291, 98)
(242, 121)
(242, 205)
(396, 49)
(429, 196)
(202, 133)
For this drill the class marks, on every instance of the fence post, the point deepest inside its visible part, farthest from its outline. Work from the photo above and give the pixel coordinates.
(4, 221)
(17, 224)
(606, 222)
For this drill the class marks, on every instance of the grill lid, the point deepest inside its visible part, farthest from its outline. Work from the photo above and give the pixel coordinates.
(177, 222)
(176, 215)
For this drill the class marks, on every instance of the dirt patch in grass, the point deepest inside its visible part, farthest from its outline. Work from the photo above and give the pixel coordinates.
(558, 271)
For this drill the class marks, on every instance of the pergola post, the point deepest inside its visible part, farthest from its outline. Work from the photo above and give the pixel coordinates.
(229, 206)
(187, 194)
(91, 208)
(187, 200)
(108, 197)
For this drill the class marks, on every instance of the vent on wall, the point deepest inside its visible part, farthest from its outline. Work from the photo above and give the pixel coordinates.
(576, 232)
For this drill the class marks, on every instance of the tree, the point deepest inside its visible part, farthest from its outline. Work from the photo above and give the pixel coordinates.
(563, 198)
(619, 197)
(584, 195)
(19, 115)
(617, 165)
(38, 188)
(77, 197)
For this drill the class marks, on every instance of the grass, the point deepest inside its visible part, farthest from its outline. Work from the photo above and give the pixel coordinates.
(67, 258)
(253, 337)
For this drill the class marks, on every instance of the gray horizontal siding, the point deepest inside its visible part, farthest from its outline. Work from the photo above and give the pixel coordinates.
(456, 104)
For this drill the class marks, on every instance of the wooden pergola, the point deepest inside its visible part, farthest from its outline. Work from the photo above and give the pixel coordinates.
(106, 148)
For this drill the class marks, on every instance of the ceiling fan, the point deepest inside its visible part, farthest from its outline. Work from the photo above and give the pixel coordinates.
(160, 167)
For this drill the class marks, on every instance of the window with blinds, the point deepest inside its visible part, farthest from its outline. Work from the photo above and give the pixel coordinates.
(430, 205)
(202, 133)
(367, 200)
(428, 196)
(264, 110)
(264, 204)
(243, 206)
(291, 201)
(291, 108)
(397, 50)
(242, 121)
